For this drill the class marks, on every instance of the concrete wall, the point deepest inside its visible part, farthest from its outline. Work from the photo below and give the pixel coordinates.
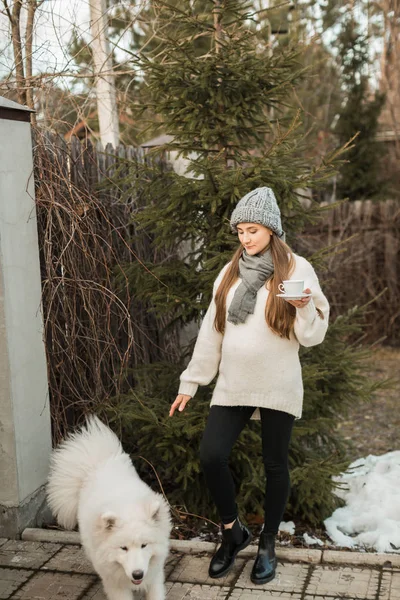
(25, 439)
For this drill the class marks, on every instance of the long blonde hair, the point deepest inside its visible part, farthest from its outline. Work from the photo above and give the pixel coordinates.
(278, 315)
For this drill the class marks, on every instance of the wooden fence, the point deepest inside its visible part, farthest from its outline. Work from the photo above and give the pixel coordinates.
(365, 264)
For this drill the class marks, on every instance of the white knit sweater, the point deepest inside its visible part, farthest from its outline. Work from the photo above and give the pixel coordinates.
(256, 367)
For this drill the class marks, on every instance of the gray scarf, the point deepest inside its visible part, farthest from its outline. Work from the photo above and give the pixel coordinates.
(254, 272)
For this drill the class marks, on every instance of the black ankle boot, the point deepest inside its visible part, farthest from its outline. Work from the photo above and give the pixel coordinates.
(233, 540)
(265, 563)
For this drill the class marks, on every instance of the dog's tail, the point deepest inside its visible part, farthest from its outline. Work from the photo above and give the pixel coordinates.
(71, 463)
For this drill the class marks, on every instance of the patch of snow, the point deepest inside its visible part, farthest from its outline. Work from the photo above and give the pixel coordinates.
(371, 515)
(287, 527)
(310, 540)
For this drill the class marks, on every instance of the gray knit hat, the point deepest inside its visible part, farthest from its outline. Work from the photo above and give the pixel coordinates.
(258, 206)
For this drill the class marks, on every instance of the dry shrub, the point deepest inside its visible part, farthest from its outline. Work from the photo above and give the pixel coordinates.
(94, 329)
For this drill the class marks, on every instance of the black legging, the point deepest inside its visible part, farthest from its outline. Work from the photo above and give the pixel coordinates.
(223, 427)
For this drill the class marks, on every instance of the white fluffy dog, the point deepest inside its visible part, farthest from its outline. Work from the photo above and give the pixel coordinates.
(124, 525)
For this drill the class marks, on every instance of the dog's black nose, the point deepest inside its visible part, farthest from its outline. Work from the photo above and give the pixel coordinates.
(137, 575)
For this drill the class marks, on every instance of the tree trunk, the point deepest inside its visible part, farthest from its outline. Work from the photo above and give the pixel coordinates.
(105, 79)
(17, 47)
(217, 24)
(32, 6)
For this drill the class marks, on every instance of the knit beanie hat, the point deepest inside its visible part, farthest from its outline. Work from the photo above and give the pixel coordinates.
(258, 206)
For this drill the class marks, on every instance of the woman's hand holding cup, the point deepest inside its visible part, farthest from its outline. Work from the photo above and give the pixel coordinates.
(294, 287)
(180, 401)
(303, 302)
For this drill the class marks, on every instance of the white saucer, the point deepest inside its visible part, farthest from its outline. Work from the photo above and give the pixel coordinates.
(289, 297)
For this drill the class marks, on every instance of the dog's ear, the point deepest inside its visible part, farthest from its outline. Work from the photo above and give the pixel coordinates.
(154, 508)
(108, 520)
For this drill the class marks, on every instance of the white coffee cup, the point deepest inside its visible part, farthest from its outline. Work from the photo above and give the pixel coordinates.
(291, 287)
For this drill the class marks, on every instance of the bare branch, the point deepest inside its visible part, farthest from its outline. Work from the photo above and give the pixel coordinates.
(7, 11)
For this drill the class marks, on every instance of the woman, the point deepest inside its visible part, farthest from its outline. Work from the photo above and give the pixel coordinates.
(250, 335)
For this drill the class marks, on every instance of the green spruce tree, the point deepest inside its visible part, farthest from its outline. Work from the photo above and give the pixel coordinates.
(360, 177)
(231, 114)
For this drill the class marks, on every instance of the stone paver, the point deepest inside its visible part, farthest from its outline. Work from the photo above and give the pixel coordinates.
(262, 595)
(289, 578)
(95, 593)
(70, 558)
(194, 569)
(51, 535)
(171, 562)
(11, 579)
(333, 596)
(390, 586)
(54, 586)
(360, 558)
(27, 555)
(306, 555)
(346, 582)
(35, 570)
(187, 591)
(192, 546)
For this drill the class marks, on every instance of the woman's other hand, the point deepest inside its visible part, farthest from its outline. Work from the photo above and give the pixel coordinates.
(181, 400)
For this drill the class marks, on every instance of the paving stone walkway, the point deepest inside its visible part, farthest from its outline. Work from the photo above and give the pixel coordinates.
(37, 570)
